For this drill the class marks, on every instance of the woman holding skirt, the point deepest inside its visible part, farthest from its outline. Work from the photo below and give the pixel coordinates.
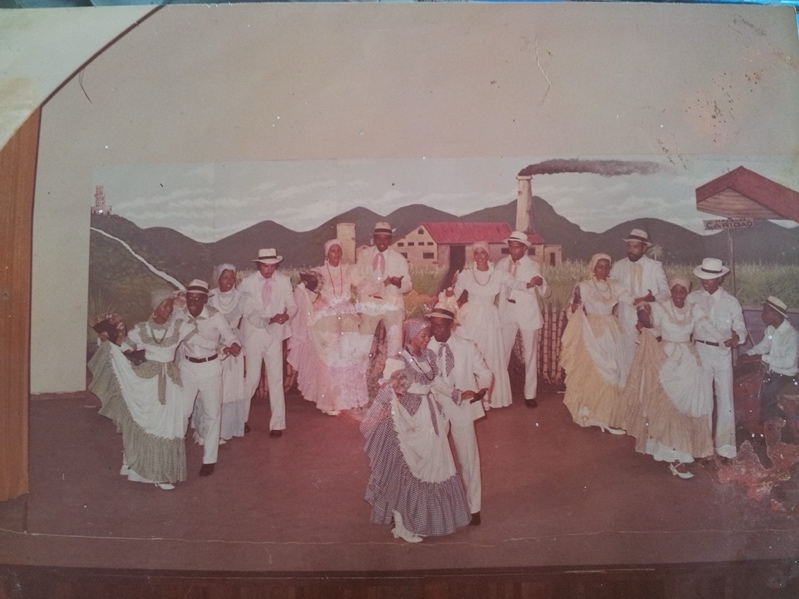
(669, 407)
(413, 481)
(593, 351)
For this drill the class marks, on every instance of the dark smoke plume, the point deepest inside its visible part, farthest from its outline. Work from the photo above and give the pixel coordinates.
(605, 168)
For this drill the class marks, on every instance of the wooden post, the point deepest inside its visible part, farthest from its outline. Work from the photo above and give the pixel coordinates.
(18, 168)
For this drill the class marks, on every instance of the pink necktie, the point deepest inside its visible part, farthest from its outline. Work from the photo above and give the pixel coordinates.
(379, 263)
(266, 292)
(512, 267)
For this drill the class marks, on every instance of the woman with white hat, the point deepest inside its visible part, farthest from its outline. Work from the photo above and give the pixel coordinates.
(593, 353)
(669, 406)
(147, 402)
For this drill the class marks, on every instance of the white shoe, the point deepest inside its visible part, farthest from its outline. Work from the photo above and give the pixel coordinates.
(613, 431)
(124, 470)
(222, 441)
(400, 532)
(165, 486)
(331, 412)
(675, 472)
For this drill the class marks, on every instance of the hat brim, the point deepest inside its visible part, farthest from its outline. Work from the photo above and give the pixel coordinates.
(703, 274)
(269, 261)
(526, 242)
(441, 315)
(644, 241)
(776, 308)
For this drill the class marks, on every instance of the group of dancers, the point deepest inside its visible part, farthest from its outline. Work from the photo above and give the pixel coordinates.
(648, 357)
(642, 355)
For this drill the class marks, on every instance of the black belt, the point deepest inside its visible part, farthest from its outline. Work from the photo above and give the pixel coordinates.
(711, 343)
(511, 301)
(202, 360)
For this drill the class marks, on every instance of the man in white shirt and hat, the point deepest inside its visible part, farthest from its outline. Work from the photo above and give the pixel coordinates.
(463, 380)
(643, 278)
(519, 311)
(778, 352)
(715, 337)
(267, 305)
(382, 278)
(201, 370)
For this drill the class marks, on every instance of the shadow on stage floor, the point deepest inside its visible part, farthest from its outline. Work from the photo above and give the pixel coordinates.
(566, 511)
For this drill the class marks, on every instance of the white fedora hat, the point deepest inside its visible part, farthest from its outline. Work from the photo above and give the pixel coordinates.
(197, 286)
(442, 311)
(777, 305)
(711, 268)
(638, 235)
(520, 237)
(268, 256)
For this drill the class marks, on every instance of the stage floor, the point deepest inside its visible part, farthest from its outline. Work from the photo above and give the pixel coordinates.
(554, 495)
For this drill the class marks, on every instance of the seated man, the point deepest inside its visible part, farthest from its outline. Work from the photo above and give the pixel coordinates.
(778, 353)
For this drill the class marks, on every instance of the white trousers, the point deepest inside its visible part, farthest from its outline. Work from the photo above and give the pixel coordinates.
(203, 383)
(461, 427)
(717, 366)
(530, 351)
(260, 347)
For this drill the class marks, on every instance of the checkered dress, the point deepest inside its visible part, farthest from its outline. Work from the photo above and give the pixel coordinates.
(427, 509)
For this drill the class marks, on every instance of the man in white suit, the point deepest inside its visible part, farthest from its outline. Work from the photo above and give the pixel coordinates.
(382, 278)
(519, 310)
(267, 305)
(715, 337)
(645, 280)
(463, 380)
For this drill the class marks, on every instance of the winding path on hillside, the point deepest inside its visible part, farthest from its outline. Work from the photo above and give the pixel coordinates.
(168, 278)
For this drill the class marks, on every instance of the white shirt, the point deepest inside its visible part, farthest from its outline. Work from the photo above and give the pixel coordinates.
(370, 280)
(211, 327)
(723, 316)
(517, 302)
(256, 315)
(470, 371)
(779, 349)
(638, 278)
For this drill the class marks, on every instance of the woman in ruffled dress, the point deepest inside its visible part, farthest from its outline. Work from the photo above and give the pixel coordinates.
(341, 352)
(147, 402)
(593, 351)
(227, 300)
(413, 482)
(478, 320)
(669, 405)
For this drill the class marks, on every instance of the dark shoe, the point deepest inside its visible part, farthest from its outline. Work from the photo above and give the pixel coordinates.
(247, 428)
(475, 519)
(276, 433)
(207, 469)
(531, 403)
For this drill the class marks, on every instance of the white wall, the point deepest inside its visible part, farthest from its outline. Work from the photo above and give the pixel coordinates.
(204, 83)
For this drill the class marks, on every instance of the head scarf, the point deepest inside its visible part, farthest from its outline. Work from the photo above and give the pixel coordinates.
(596, 258)
(158, 296)
(480, 245)
(218, 270)
(329, 244)
(680, 280)
(414, 326)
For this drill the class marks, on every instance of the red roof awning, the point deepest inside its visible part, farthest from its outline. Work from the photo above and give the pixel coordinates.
(454, 233)
(742, 193)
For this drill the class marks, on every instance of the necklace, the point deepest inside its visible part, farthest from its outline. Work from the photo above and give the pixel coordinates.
(428, 373)
(608, 289)
(333, 283)
(475, 270)
(156, 339)
(678, 315)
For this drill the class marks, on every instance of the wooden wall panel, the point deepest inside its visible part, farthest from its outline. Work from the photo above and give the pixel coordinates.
(17, 181)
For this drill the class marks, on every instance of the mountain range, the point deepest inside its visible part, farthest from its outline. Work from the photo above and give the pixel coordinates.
(185, 258)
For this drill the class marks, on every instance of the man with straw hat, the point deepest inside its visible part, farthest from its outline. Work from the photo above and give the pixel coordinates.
(715, 337)
(267, 304)
(778, 352)
(645, 281)
(201, 369)
(382, 278)
(462, 381)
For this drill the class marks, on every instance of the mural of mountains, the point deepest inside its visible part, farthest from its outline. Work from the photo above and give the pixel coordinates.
(185, 259)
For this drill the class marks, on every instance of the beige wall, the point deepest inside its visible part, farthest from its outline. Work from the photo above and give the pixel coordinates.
(199, 83)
